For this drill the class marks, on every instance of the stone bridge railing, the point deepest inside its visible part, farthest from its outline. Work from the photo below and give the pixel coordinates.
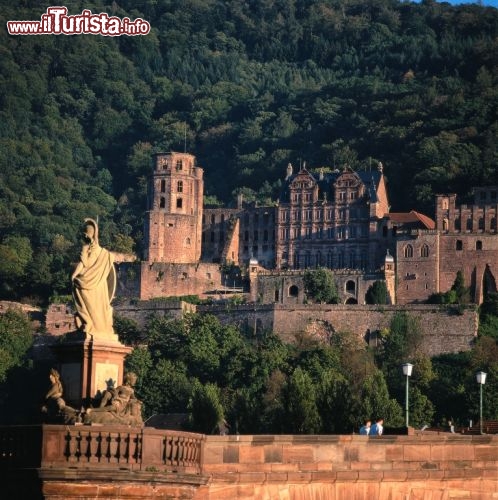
(118, 447)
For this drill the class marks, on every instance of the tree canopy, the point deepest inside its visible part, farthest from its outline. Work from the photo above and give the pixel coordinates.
(247, 87)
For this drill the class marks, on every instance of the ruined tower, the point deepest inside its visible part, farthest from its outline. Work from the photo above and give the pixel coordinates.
(173, 223)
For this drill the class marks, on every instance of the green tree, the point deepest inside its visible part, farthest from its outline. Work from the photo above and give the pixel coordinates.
(167, 388)
(16, 337)
(205, 408)
(320, 286)
(300, 406)
(377, 293)
(374, 402)
(462, 292)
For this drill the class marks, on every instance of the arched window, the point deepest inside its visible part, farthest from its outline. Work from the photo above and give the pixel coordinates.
(459, 245)
(478, 245)
(469, 224)
(187, 241)
(293, 291)
(424, 251)
(492, 224)
(350, 286)
(163, 186)
(458, 224)
(481, 223)
(162, 202)
(408, 251)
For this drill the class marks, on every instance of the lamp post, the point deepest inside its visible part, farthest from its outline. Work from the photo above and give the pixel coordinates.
(481, 380)
(407, 372)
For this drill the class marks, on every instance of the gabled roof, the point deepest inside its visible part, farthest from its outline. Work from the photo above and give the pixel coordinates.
(412, 218)
(371, 180)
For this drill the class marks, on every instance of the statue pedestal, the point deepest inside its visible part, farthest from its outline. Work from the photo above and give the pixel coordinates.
(88, 366)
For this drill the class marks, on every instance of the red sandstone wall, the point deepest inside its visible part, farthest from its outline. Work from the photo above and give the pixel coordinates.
(471, 261)
(423, 467)
(162, 280)
(417, 276)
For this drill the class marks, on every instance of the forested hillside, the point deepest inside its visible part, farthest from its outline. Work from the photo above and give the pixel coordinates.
(247, 86)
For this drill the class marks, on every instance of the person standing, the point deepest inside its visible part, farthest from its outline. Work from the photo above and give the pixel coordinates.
(365, 429)
(378, 428)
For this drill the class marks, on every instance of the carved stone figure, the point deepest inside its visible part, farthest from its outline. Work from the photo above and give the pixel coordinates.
(118, 406)
(55, 408)
(94, 284)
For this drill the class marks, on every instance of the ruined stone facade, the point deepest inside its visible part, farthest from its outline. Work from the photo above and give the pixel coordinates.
(336, 219)
(331, 220)
(465, 239)
(173, 223)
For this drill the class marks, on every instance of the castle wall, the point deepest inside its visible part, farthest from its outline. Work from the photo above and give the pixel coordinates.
(445, 329)
(160, 279)
(141, 311)
(287, 287)
(417, 264)
(216, 225)
(472, 254)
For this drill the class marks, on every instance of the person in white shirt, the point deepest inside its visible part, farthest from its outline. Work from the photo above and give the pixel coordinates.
(378, 428)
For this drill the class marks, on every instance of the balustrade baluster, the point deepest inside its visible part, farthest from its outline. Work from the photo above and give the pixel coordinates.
(125, 447)
(74, 446)
(114, 447)
(93, 447)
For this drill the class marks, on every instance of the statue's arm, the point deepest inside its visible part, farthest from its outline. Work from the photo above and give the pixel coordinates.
(84, 257)
(78, 270)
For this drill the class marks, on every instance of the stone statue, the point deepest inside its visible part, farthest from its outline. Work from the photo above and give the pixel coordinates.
(94, 284)
(118, 406)
(55, 408)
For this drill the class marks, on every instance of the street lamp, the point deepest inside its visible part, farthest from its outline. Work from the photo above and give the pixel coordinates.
(481, 380)
(407, 372)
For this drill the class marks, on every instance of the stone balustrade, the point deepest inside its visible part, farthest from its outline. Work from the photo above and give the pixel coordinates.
(82, 446)
(104, 462)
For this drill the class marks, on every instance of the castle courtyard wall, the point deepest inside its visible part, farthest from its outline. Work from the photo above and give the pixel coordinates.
(445, 329)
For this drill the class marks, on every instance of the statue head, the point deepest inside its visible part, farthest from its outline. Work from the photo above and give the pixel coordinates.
(54, 375)
(91, 231)
(130, 379)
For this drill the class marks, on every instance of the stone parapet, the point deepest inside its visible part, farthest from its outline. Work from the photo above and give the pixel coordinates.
(361, 467)
(104, 462)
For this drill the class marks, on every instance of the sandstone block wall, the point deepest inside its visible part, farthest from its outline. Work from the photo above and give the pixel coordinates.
(141, 311)
(424, 467)
(445, 329)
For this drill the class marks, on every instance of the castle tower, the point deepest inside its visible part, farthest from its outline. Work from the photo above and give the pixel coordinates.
(173, 223)
(390, 277)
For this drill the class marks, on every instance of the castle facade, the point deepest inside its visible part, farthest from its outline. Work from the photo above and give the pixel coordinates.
(338, 219)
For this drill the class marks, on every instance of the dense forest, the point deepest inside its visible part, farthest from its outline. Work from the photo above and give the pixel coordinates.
(245, 86)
